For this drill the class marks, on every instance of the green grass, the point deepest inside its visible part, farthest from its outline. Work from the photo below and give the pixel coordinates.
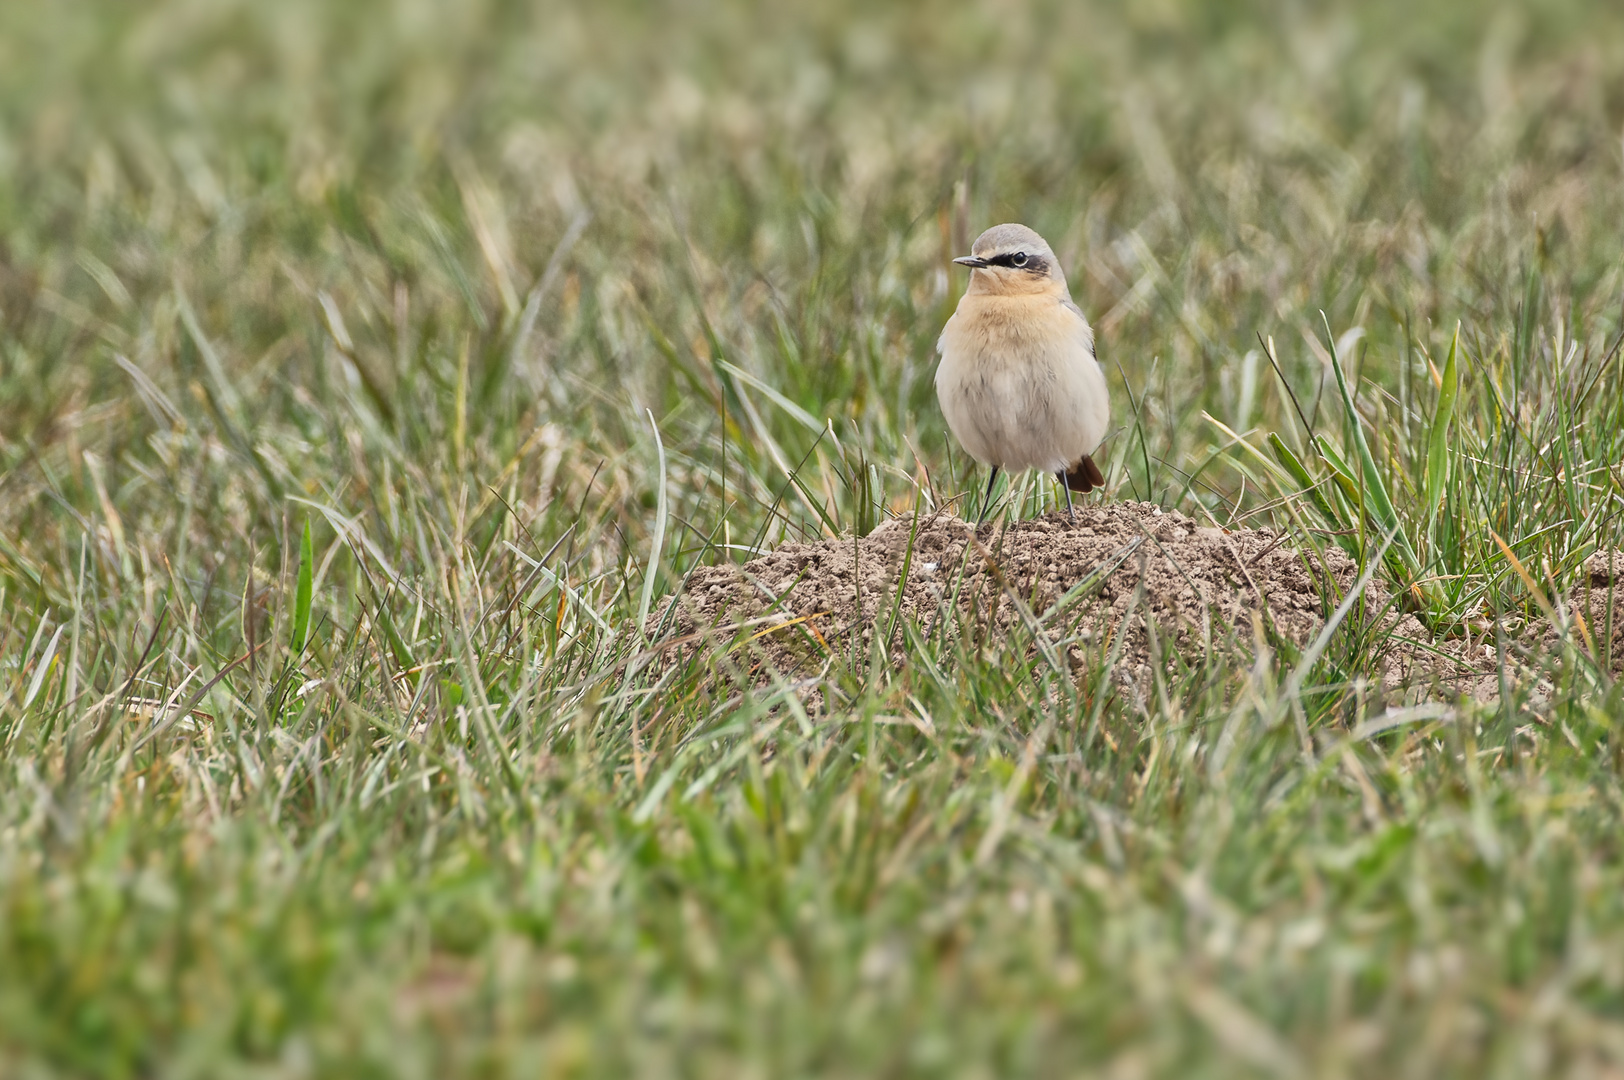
(331, 741)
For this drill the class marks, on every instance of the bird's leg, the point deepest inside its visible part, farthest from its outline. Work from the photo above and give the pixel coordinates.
(986, 500)
(1067, 489)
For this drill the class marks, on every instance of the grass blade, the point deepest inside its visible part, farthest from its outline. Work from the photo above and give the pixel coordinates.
(302, 592)
(1372, 487)
(1305, 483)
(657, 542)
(1438, 437)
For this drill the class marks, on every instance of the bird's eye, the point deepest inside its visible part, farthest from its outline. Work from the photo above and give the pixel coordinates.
(1018, 259)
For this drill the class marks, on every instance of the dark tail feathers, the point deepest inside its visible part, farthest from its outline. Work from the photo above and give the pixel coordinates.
(1083, 476)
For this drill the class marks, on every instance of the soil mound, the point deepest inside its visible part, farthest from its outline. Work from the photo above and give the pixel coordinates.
(1157, 579)
(1119, 565)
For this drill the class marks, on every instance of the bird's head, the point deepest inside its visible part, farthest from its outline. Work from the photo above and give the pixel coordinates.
(1012, 259)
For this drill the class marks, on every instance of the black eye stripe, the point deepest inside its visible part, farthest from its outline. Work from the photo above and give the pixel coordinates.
(1030, 263)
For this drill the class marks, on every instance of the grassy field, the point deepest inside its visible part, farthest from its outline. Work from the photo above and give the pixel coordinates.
(369, 370)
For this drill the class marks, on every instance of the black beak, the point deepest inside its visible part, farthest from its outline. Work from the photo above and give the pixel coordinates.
(975, 262)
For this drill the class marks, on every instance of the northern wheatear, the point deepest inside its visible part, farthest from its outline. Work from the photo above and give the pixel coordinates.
(1018, 381)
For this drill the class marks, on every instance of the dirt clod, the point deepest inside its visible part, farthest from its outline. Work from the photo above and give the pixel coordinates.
(1157, 580)
(1117, 565)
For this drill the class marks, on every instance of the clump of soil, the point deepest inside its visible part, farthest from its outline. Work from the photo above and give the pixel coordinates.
(1121, 570)
(1127, 562)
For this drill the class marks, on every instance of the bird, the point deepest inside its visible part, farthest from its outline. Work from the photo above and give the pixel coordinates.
(1018, 381)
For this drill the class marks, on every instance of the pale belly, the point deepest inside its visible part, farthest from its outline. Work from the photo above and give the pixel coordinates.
(1022, 394)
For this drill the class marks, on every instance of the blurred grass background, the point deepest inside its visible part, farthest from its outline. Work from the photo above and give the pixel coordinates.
(414, 276)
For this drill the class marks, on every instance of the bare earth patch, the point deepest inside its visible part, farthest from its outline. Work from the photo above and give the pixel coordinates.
(1163, 581)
